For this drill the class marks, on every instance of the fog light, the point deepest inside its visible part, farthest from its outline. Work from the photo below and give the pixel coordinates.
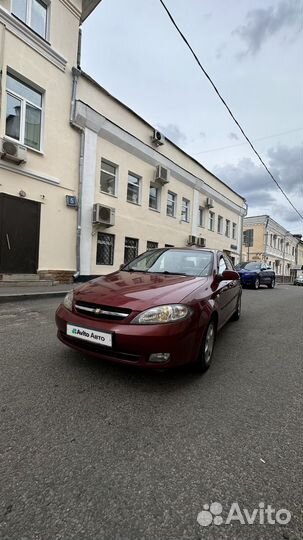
(160, 357)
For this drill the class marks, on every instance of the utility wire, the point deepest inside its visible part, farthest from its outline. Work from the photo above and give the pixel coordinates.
(243, 143)
(229, 110)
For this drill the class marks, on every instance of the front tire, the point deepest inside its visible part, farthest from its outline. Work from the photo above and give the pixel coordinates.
(207, 348)
(272, 284)
(257, 283)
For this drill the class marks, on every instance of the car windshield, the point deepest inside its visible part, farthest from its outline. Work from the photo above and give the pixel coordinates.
(178, 262)
(248, 266)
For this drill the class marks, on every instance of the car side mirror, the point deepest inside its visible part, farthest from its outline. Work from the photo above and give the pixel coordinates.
(121, 266)
(230, 275)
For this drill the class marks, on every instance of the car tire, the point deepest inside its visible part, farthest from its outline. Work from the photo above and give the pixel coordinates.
(257, 283)
(272, 284)
(237, 314)
(207, 348)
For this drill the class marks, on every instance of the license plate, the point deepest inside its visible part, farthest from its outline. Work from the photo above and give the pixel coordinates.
(87, 334)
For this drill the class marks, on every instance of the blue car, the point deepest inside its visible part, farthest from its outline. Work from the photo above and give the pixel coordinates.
(254, 274)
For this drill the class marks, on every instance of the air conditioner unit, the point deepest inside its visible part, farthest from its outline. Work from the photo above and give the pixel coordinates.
(12, 151)
(209, 202)
(162, 175)
(192, 239)
(201, 242)
(157, 138)
(103, 215)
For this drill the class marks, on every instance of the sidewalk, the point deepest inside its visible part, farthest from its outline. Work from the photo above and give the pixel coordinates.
(15, 294)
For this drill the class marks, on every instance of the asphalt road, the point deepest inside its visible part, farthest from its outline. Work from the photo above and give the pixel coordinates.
(93, 451)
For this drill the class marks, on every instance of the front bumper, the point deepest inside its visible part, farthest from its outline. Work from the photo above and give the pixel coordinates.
(133, 344)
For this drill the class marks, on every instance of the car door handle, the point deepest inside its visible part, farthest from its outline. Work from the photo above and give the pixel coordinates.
(8, 242)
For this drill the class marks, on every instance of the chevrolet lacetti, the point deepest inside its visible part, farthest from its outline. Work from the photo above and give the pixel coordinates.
(161, 310)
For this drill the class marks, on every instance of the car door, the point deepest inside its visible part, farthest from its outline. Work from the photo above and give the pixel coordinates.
(265, 275)
(223, 294)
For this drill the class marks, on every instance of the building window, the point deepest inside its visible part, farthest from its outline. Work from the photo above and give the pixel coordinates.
(271, 242)
(133, 188)
(105, 248)
(227, 227)
(154, 197)
(220, 225)
(211, 221)
(130, 249)
(293, 251)
(23, 112)
(108, 177)
(171, 204)
(185, 210)
(33, 13)
(201, 216)
(234, 233)
(151, 245)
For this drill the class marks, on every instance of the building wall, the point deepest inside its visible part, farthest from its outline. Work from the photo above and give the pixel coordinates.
(272, 244)
(131, 150)
(51, 173)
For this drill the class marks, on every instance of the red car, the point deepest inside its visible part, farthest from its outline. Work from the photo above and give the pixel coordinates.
(163, 309)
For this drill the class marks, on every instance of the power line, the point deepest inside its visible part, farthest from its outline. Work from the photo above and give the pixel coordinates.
(243, 143)
(228, 109)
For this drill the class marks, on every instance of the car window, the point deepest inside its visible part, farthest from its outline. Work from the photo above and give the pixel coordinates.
(190, 263)
(248, 266)
(222, 265)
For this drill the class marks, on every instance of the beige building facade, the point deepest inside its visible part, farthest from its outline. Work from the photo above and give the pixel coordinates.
(271, 243)
(39, 150)
(85, 183)
(155, 193)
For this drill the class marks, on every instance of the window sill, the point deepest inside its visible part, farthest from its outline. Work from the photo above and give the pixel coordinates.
(167, 215)
(201, 226)
(135, 203)
(154, 210)
(185, 221)
(109, 194)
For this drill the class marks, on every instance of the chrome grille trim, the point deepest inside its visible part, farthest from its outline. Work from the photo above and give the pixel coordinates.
(102, 312)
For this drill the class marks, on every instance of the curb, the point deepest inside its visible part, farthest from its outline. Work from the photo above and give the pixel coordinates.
(6, 298)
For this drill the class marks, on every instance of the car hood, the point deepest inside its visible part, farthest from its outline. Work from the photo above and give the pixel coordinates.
(137, 291)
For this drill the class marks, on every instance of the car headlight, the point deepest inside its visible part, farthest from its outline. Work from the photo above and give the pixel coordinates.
(68, 300)
(163, 314)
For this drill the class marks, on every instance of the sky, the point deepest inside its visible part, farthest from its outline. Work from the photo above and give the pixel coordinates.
(253, 52)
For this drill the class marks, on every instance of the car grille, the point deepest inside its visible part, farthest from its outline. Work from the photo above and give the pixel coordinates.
(97, 311)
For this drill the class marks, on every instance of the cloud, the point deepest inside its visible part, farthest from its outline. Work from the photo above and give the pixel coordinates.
(263, 23)
(173, 132)
(233, 136)
(253, 182)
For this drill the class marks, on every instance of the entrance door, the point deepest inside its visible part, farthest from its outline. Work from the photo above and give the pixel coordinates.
(19, 235)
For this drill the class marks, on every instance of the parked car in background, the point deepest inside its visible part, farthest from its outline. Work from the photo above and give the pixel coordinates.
(254, 274)
(163, 309)
(298, 280)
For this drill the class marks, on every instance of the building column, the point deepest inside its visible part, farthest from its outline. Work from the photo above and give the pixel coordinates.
(87, 199)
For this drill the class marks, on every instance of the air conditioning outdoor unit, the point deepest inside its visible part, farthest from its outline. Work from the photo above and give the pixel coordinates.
(12, 151)
(157, 138)
(192, 239)
(103, 215)
(162, 175)
(201, 242)
(209, 202)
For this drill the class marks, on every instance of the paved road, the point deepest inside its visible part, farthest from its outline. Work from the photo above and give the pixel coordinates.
(92, 451)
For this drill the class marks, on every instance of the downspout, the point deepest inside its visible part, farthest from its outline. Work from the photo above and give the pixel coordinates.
(76, 73)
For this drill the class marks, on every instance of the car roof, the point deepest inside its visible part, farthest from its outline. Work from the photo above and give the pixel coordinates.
(189, 248)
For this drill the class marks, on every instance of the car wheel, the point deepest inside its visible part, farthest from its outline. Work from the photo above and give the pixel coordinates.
(272, 284)
(237, 314)
(207, 348)
(257, 283)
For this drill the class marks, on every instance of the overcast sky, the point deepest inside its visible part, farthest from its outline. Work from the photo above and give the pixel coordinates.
(253, 51)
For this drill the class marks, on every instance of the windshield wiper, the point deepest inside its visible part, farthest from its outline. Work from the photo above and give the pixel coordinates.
(170, 273)
(133, 270)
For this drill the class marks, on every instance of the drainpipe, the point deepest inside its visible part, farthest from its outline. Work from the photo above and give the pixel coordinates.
(76, 73)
